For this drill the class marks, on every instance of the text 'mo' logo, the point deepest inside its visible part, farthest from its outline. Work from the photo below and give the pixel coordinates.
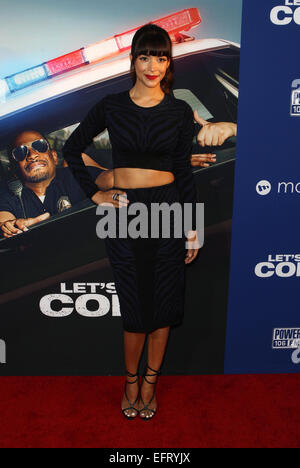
(263, 187)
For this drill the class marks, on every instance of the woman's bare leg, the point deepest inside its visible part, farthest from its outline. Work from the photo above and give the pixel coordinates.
(133, 347)
(157, 342)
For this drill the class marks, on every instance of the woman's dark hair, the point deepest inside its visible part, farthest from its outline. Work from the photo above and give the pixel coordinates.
(151, 39)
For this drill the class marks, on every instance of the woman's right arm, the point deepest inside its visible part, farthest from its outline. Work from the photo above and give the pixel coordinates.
(93, 124)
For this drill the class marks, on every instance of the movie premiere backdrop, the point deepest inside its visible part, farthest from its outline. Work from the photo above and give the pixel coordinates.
(59, 309)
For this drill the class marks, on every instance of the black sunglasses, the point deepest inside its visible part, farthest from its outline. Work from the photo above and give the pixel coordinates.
(21, 152)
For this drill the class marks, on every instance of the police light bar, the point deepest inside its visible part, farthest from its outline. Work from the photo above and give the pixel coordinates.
(175, 23)
(182, 21)
(93, 75)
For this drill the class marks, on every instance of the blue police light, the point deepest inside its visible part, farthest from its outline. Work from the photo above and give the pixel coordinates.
(4, 91)
(26, 78)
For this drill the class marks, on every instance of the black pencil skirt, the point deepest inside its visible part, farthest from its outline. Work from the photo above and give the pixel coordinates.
(149, 273)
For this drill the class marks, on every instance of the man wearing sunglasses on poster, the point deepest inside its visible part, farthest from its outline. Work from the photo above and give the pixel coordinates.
(47, 189)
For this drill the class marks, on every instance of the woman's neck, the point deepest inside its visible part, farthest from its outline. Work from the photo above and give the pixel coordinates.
(142, 92)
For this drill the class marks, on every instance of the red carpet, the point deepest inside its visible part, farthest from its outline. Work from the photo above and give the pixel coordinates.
(194, 411)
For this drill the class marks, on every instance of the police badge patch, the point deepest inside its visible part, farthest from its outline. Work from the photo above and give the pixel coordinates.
(63, 204)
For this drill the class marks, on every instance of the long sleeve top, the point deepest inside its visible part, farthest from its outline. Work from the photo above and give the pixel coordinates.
(158, 137)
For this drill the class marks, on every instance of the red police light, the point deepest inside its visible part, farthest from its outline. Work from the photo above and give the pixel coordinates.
(65, 63)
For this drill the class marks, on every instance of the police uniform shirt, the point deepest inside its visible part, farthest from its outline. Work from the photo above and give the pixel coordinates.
(63, 185)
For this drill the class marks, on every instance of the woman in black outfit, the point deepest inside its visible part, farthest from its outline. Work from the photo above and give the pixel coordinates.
(151, 133)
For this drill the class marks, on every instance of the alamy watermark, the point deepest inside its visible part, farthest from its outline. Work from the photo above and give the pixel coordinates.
(138, 227)
(2, 352)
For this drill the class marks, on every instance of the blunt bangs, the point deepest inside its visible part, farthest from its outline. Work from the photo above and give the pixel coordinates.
(155, 44)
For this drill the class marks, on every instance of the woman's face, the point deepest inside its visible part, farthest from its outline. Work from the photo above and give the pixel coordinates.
(150, 70)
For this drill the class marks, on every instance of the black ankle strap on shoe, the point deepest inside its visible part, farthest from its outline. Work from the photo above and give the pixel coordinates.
(129, 374)
(131, 405)
(156, 372)
(153, 370)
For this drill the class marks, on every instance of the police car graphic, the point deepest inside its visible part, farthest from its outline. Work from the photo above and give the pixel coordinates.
(55, 96)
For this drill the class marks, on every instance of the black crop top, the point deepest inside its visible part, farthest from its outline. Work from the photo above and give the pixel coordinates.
(158, 137)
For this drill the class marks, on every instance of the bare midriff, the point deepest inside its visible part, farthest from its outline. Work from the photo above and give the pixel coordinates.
(127, 177)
